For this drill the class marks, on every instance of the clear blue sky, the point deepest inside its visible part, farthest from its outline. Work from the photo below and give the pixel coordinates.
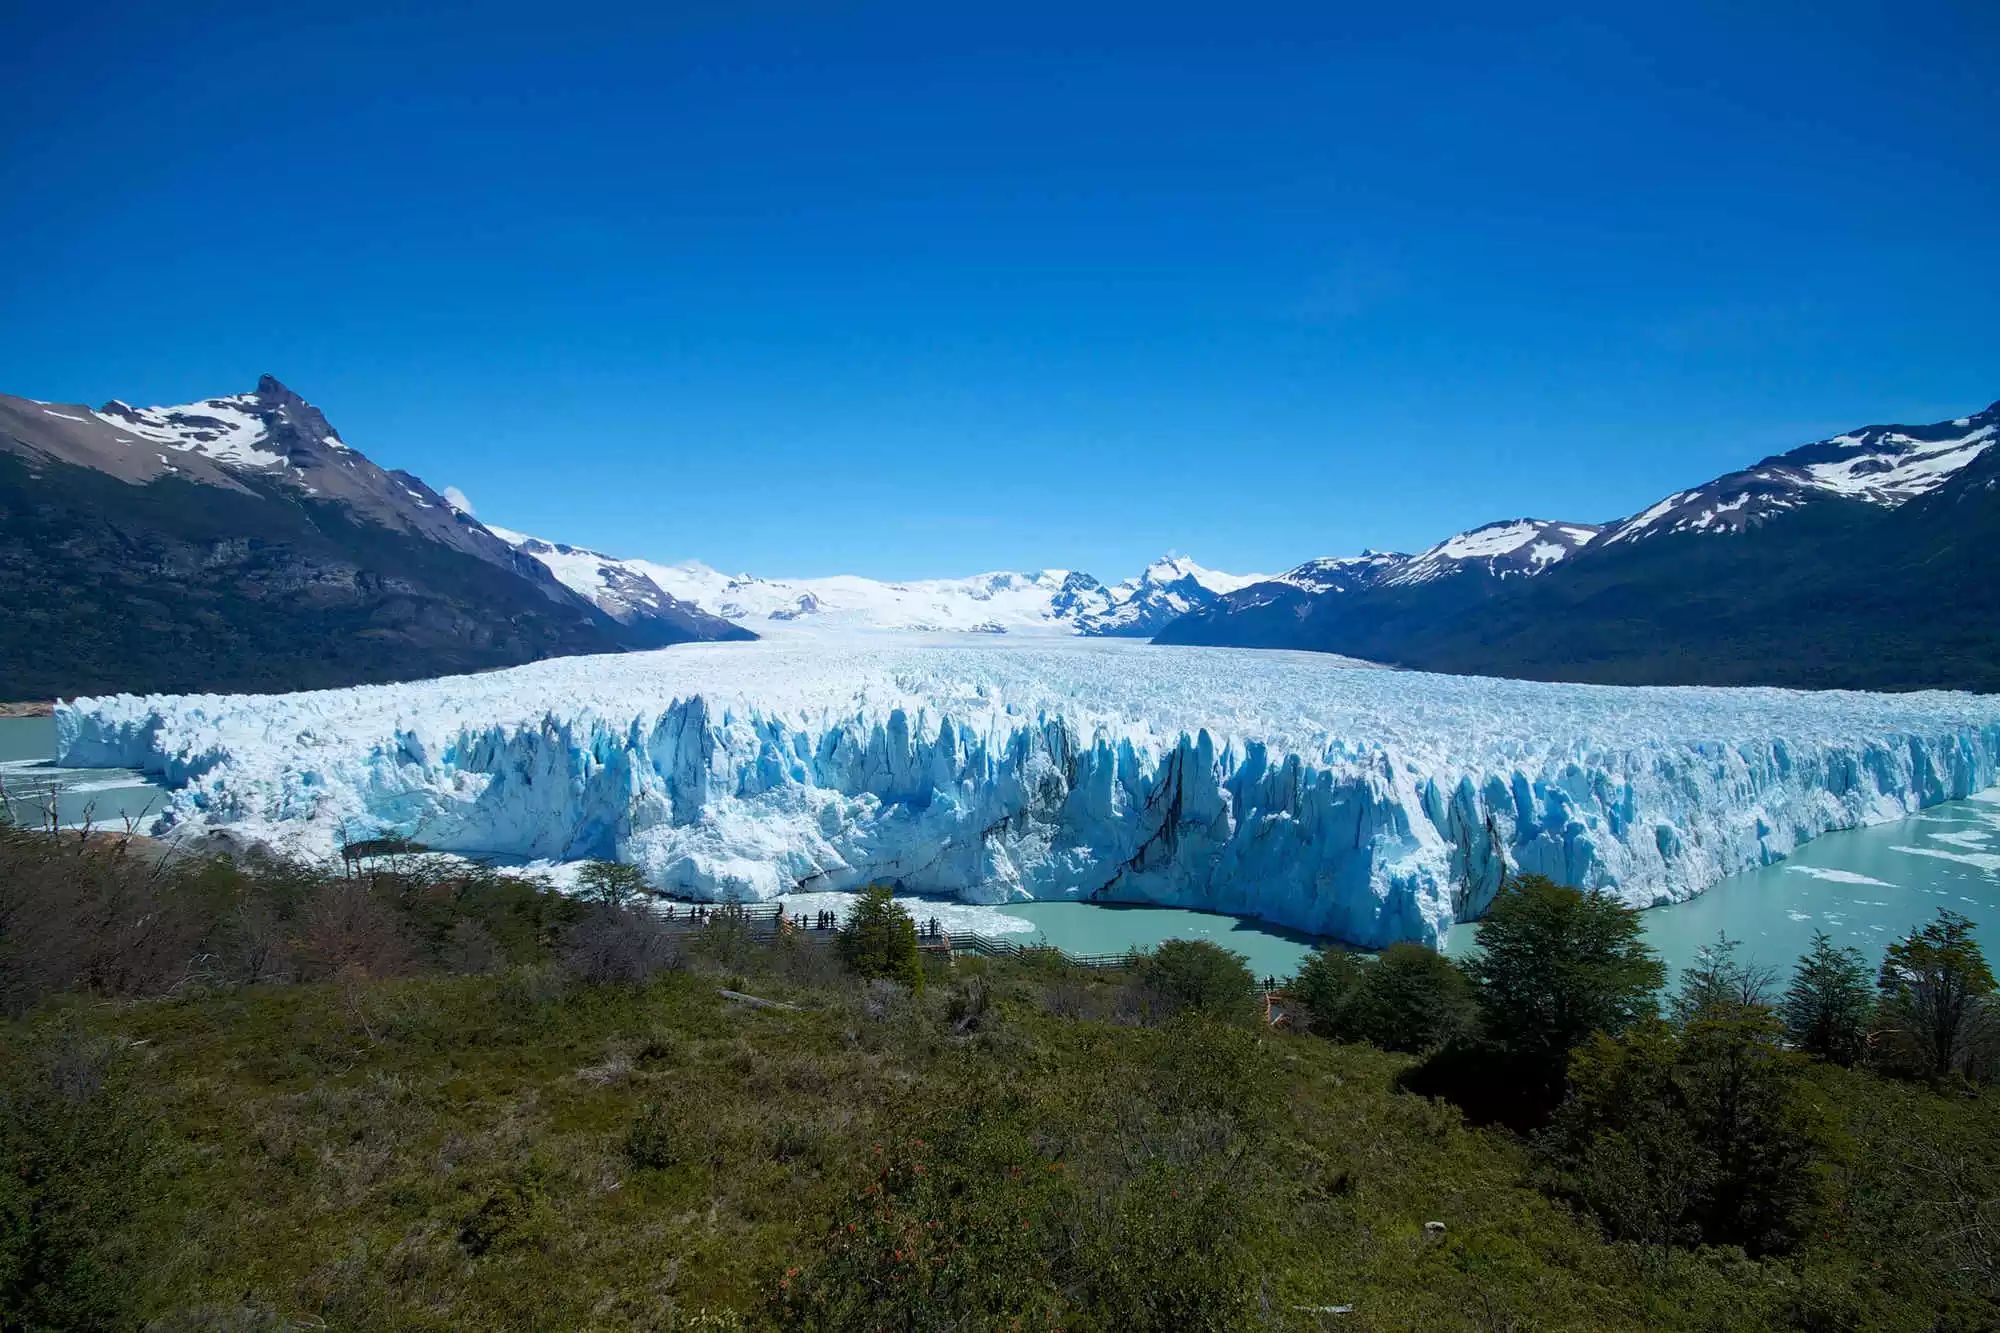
(925, 289)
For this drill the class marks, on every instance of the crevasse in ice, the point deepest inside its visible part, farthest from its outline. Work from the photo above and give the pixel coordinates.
(1303, 790)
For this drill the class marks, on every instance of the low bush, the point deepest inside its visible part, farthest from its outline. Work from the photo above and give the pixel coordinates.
(654, 1140)
(80, 1149)
(1194, 975)
(1410, 998)
(619, 945)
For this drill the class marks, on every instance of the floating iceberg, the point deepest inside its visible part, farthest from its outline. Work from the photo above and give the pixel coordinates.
(1296, 788)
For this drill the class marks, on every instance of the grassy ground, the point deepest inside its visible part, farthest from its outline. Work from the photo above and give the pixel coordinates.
(521, 1150)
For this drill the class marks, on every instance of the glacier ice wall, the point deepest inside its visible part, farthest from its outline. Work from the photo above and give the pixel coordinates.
(1369, 805)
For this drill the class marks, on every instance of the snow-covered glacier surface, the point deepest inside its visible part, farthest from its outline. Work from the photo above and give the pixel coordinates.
(1296, 788)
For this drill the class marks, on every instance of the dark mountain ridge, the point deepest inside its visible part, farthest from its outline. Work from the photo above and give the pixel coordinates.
(1867, 561)
(239, 544)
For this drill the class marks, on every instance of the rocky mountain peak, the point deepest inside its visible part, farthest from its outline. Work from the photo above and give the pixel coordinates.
(280, 406)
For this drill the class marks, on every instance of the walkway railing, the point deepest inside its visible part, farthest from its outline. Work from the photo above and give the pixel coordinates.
(770, 919)
(987, 946)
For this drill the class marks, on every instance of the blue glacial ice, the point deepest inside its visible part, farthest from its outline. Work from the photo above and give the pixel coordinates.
(1302, 790)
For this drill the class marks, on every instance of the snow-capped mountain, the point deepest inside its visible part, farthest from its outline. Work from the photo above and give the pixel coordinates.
(1831, 547)
(993, 603)
(1464, 568)
(1168, 589)
(1049, 601)
(1881, 465)
(1519, 547)
(1342, 573)
(623, 590)
(240, 542)
(269, 437)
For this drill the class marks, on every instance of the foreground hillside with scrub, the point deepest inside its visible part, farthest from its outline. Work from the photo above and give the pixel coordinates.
(250, 1095)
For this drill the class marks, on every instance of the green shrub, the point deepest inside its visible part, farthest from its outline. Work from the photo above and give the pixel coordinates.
(1326, 983)
(1411, 998)
(1195, 975)
(77, 1149)
(513, 1214)
(946, 1226)
(997, 1210)
(653, 1142)
(1700, 1134)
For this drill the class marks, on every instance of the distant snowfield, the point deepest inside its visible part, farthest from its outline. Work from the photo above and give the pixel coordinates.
(1043, 602)
(1297, 788)
(1047, 601)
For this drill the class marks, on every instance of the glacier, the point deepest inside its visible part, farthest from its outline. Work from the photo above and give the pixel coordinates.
(1303, 790)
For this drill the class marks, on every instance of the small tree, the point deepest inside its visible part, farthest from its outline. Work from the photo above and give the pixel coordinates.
(1935, 986)
(612, 883)
(1196, 975)
(1825, 1009)
(1555, 965)
(1716, 985)
(1409, 999)
(654, 1140)
(350, 929)
(879, 939)
(1326, 984)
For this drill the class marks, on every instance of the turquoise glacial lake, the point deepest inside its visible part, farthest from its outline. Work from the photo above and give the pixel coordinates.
(1864, 887)
(29, 778)
(1086, 928)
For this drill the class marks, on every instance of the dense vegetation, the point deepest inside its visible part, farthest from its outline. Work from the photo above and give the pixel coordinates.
(253, 1096)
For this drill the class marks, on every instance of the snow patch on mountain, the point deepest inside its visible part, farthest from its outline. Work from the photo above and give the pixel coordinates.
(1897, 467)
(1373, 806)
(619, 588)
(224, 429)
(1881, 465)
(1523, 546)
(1342, 573)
